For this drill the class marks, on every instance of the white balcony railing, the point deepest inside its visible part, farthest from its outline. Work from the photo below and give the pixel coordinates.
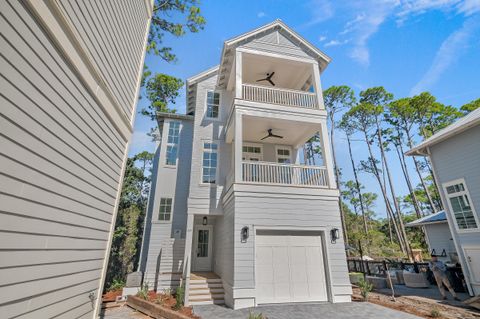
(287, 174)
(286, 97)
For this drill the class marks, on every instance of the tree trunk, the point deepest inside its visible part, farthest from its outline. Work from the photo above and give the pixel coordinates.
(392, 190)
(401, 158)
(417, 168)
(337, 177)
(385, 196)
(357, 184)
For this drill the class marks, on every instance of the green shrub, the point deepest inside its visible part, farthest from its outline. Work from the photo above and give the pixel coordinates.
(143, 292)
(256, 316)
(179, 296)
(435, 313)
(116, 285)
(365, 288)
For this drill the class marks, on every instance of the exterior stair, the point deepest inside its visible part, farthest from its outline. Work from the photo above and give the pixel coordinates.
(205, 289)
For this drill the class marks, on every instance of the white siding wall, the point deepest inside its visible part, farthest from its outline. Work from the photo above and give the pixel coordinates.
(459, 157)
(61, 156)
(205, 198)
(285, 210)
(440, 238)
(170, 182)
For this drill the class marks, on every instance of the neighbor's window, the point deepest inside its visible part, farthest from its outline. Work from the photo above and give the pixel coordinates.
(462, 209)
(209, 165)
(172, 142)
(213, 104)
(283, 155)
(165, 212)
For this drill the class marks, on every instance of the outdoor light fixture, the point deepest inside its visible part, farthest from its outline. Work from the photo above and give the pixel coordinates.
(334, 234)
(244, 234)
(204, 220)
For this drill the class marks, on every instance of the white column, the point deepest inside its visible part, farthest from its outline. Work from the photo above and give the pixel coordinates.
(327, 153)
(187, 256)
(317, 85)
(238, 75)
(237, 151)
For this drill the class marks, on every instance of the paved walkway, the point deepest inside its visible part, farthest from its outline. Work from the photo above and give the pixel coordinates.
(305, 311)
(122, 312)
(431, 293)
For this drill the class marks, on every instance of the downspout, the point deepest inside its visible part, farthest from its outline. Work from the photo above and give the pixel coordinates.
(446, 207)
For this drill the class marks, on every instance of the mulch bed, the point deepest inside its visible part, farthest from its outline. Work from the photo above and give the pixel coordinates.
(111, 295)
(418, 306)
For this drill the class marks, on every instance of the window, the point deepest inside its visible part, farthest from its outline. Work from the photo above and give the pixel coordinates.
(172, 143)
(202, 243)
(283, 155)
(165, 212)
(209, 165)
(461, 208)
(213, 104)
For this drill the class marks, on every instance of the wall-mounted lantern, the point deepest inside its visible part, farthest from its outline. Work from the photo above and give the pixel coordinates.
(205, 221)
(334, 235)
(244, 234)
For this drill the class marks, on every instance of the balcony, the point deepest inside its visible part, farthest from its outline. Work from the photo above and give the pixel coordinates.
(287, 97)
(284, 174)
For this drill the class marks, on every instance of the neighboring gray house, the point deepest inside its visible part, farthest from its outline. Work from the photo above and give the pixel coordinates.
(437, 235)
(70, 74)
(233, 214)
(454, 153)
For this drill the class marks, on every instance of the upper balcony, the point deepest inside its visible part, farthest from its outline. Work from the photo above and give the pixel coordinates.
(277, 80)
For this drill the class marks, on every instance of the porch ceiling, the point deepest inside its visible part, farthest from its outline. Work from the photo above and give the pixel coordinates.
(288, 74)
(293, 132)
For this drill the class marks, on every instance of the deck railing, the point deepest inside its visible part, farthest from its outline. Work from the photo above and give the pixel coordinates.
(286, 97)
(286, 174)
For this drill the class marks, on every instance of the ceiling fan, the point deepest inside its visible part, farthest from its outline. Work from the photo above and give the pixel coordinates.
(270, 134)
(268, 78)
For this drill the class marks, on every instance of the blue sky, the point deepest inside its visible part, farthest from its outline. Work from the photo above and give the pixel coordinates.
(406, 46)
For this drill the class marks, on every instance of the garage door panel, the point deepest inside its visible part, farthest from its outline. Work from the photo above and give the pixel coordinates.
(289, 269)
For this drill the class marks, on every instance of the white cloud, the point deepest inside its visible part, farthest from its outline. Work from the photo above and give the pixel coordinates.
(322, 38)
(448, 53)
(468, 7)
(333, 43)
(320, 10)
(417, 7)
(261, 14)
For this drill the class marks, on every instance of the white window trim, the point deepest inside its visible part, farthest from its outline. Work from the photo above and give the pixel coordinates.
(219, 105)
(450, 209)
(158, 221)
(170, 144)
(201, 163)
(283, 147)
(260, 155)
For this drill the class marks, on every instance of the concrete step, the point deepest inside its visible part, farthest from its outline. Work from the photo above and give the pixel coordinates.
(218, 296)
(206, 285)
(203, 291)
(207, 302)
(210, 281)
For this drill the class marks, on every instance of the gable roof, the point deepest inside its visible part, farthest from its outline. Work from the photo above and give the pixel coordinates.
(231, 44)
(437, 218)
(453, 129)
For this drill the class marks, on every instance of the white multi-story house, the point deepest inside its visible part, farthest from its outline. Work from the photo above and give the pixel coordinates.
(233, 214)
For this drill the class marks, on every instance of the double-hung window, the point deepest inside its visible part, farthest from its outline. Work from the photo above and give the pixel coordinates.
(172, 143)
(284, 155)
(209, 163)
(213, 104)
(165, 211)
(461, 206)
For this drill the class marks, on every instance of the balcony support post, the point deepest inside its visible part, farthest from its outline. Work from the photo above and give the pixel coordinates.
(327, 154)
(238, 75)
(317, 85)
(238, 137)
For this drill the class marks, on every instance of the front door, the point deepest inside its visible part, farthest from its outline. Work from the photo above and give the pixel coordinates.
(202, 248)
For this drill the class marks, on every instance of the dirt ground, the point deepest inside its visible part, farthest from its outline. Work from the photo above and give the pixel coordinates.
(419, 306)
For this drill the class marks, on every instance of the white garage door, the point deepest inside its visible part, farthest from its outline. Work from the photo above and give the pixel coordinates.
(289, 267)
